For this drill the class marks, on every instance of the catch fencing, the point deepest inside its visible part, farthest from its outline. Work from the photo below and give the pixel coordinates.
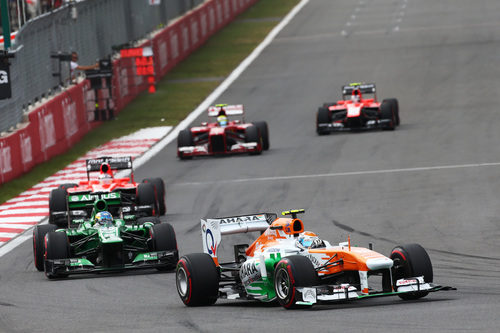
(92, 28)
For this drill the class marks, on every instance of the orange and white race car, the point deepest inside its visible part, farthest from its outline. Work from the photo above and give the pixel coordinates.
(296, 267)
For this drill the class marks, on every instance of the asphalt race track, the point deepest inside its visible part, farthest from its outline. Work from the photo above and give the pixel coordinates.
(434, 181)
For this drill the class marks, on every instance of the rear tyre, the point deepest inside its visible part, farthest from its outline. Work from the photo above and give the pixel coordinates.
(323, 117)
(163, 239)
(252, 135)
(58, 203)
(146, 196)
(197, 279)
(291, 272)
(159, 186)
(264, 132)
(387, 113)
(411, 260)
(39, 232)
(395, 106)
(184, 139)
(56, 247)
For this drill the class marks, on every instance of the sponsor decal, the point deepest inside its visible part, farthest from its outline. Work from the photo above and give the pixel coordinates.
(194, 32)
(123, 78)
(249, 273)
(211, 16)
(174, 45)
(211, 246)
(26, 151)
(231, 220)
(203, 22)
(218, 9)
(309, 295)
(69, 116)
(47, 129)
(93, 197)
(314, 260)
(185, 38)
(4, 77)
(163, 54)
(5, 160)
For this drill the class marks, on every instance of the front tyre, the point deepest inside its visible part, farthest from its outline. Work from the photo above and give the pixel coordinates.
(197, 279)
(159, 186)
(323, 117)
(163, 239)
(184, 139)
(411, 260)
(56, 247)
(252, 134)
(39, 232)
(292, 272)
(264, 132)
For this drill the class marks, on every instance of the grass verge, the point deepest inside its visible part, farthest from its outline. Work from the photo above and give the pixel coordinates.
(178, 93)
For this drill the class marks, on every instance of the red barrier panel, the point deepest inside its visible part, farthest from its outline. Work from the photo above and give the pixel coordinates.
(61, 122)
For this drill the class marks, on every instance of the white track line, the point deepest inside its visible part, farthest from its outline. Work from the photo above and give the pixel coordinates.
(350, 173)
(221, 88)
(156, 148)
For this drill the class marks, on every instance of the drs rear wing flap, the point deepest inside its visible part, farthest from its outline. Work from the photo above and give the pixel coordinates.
(364, 88)
(212, 229)
(115, 163)
(231, 110)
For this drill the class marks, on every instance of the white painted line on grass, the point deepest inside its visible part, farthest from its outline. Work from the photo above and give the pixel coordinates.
(349, 173)
(221, 88)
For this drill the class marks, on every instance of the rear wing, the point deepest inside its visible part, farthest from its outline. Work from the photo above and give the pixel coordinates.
(115, 163)
(364, 88)
(231, 110)
(212, 229)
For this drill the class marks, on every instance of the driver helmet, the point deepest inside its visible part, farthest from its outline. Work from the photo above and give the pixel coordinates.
(309, 241)
(103, 218)
(355, 97)
(222, 120)
(105, 171)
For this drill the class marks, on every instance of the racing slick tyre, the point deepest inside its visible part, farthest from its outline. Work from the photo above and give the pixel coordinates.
(387, 112)
(327, 105)
(291, 272)
(67, 185)
(58, 203)
(39, 232)
(395, 106)
(184, 139)
(252, 135)
(146, 196)
(56, 247)
(411, 260)
(323, 117)
(264, 132)
(152, 219)
(197, 279)
(163, 239)
(160, 193)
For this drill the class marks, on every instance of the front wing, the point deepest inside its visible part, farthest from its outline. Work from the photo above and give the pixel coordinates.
(332, 293)
(157, 259)
(239, 148)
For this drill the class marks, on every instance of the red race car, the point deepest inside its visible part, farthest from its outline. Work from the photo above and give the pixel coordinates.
(224, 136)
(124, 196)
(356, 112)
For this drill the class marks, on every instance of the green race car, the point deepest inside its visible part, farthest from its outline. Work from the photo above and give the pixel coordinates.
(100, 245)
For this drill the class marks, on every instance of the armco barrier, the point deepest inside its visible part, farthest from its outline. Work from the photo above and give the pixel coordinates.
(58, 124)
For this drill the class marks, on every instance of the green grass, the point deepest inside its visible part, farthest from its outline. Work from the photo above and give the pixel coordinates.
(173, 100)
